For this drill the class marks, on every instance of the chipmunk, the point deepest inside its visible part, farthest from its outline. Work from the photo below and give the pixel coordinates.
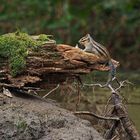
(92, 46)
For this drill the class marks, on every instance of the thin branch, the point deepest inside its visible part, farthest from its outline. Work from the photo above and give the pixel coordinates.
(110, 132)
(106, 106)
(122, 84)
(51, 91)
(96, 116)
(114, 137)
(113, 90)
(32, 88)
(91, 85)
(79, 94)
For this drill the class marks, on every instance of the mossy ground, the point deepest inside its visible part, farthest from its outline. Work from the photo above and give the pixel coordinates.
(15, 47)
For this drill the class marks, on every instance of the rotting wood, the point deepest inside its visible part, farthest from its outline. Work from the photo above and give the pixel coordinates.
(53, 59)
(121, 112)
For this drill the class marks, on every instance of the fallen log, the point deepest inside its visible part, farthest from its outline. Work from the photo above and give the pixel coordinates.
(51, 62)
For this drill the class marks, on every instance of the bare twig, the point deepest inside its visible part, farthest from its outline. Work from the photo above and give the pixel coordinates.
(114, 137)
(91, 85)
(113, 90)
(32, 88)
(95, 115)
(79, 81)
(111, 131)
(51, 91)
(122, 84)
(105, 112)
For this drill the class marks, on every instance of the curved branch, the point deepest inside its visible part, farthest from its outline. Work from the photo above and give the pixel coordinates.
(96, 116)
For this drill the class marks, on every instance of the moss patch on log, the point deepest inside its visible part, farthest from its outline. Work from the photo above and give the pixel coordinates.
(15, 47)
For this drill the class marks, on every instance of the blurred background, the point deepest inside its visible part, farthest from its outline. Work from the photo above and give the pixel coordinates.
(113, 23)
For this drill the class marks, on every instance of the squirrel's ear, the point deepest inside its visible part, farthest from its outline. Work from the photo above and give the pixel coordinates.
(88, 35)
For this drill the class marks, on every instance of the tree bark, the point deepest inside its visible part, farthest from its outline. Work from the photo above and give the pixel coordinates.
(55, 63)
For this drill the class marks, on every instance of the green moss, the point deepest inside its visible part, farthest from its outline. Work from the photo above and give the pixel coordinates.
(44, 37)
(15, 47)
(21, 125)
